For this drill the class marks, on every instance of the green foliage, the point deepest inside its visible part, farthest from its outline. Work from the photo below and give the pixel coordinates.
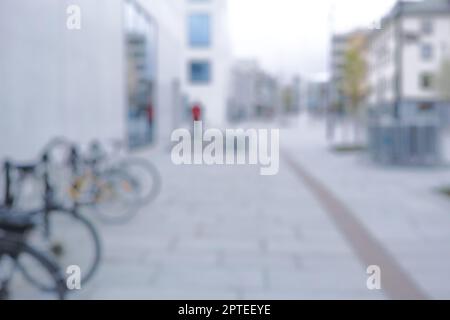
(354, 77)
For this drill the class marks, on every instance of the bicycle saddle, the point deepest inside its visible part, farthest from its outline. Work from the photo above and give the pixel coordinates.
(26, 168)
(16, 222)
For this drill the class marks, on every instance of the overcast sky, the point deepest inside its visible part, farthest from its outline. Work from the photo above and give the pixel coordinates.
(292, 36)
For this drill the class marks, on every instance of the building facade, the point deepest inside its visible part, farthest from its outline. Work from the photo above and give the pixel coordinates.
(114, 77)
(243, 99)
(168, 99)
(59, 82)
(317, 97)
(254, 93)
(339, 45)
(405, 56)
(207, 59)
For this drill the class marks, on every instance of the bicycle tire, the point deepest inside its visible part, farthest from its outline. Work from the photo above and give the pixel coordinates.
(128, 207)
(16, 250)
(87, 273)
(135, 202)
(152, 172)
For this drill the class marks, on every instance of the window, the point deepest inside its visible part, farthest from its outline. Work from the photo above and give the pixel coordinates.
(140, 35)
(426, 80)
(411, 38)
(427, 26)
(426, 51)
(200, 72)
(199, 30)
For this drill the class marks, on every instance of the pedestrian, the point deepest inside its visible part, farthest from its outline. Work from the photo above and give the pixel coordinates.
(196, 116)
(150, 118)
(196, 112)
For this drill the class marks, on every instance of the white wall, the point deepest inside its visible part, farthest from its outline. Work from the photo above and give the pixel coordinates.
(414, 65)
(58, 82)
(382, 69)
(214, 95)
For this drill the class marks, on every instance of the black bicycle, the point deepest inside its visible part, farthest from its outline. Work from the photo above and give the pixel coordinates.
(63, 232)
(16, 256)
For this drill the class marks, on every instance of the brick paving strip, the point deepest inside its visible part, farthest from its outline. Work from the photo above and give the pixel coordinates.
(394, 281)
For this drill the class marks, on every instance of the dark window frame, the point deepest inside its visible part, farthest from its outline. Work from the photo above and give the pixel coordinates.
(426, 81)
(200, 81)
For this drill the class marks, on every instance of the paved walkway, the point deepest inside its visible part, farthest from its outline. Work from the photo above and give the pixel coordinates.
(227, 232)
(400, 207)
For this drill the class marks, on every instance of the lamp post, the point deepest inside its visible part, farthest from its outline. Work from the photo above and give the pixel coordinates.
(332, 86)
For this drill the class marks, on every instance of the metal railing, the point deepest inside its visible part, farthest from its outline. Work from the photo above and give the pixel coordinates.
(405, 144)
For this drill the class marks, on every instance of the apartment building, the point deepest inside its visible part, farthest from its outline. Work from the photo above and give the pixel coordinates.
(207, 58)
(339, 45)
(253, 92)
(242, 101)
(405, 56)
(114, 77)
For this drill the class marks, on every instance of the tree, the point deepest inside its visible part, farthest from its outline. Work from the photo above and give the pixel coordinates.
(354, 84)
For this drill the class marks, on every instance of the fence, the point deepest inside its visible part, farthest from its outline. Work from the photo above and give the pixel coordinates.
(405, 144)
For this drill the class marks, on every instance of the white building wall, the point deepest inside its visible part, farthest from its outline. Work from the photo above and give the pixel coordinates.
(414, 65)
(212, 96)
(382, 68)
(56, 82)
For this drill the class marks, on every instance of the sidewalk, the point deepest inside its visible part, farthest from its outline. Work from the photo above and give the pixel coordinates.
(226, 233)
(399, 206)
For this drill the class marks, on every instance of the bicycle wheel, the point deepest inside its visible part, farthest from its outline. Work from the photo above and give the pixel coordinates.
(17, 256)
(72, 241)
(145, 179)
(115, 200)
(82, 190)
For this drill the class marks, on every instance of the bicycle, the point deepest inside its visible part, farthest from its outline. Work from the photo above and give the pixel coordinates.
(112, 185)
(15, 253)
(62, 230)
